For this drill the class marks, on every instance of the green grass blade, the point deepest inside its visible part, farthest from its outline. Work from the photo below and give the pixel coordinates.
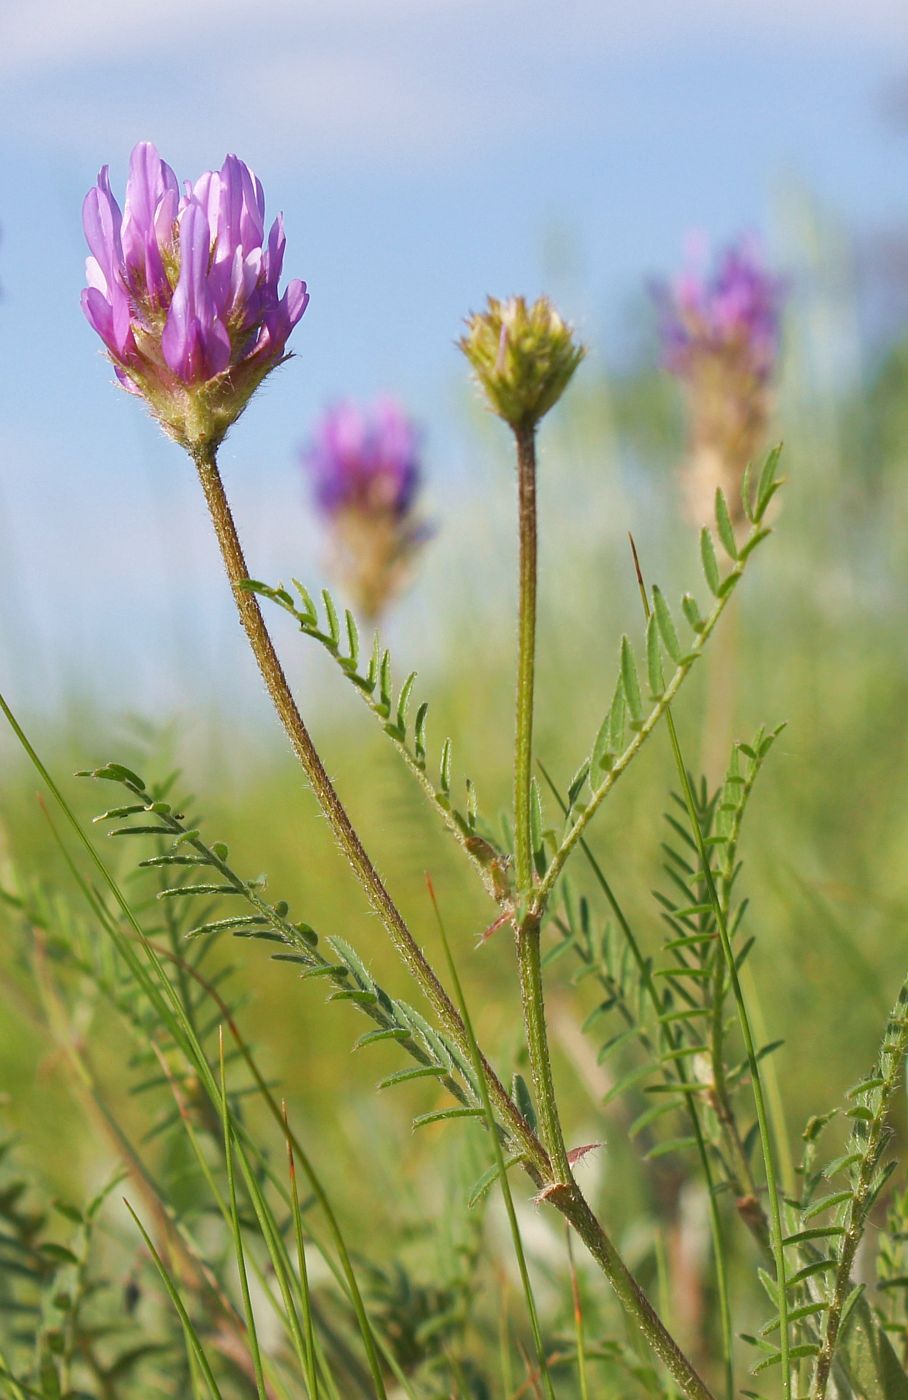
(311, 1372)
(499, 1155)
(237, 1229)
(174, 1296)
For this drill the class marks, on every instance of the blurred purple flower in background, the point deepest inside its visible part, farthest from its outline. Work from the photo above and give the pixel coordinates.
(365, 471)
(721, 329)
(183, 291)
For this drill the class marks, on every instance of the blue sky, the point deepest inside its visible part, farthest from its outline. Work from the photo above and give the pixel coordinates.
(424, 152)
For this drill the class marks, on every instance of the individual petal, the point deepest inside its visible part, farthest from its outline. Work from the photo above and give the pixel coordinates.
(207, 192)
(98, 314)
(277, 242)
(111, 321)
(94, 275)
(101, 220)
(149, 179)
(195, 343)
(295, 300)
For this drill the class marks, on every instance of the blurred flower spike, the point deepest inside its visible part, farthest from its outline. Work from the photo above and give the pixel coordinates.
(365, 471)
(183, 291)
(523, 358)
(720, 330)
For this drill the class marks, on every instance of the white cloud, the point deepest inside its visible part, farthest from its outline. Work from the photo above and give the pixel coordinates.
(47, 35)
(380, 80)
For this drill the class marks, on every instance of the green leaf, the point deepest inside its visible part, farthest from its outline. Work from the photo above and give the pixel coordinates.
(655, 674)
(58, 1253)
(724, 526)
(767, 484)
(752, 543)
(187, 891)
(616, 719)
(309, 608)
(710, 562)
(70, 1212)
(835, 1198)
(692, 612)
(816, 1266)
(333, 624)
(576, 784)
(114, 773)
(794, 1354)
(536, 818)
(747, 491)
(384, 683)
(352, 640)
(444, 1114)
(374, 660)
(117, 813)
(840, 1164)
(666, 626)
(444, 775)
(866, 1355)
(389, 1033)
(821, 1232)
(419, 733)
(472, 804)
(488, 1179)
(631, 682)
(668, 1148)
(403, 702)
(404, 1076)
(521, 1095)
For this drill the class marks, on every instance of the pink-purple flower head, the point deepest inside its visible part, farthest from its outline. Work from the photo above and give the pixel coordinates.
(365, 459)
(732, 309)
(365, 470)
(721, 328)
(183, 291)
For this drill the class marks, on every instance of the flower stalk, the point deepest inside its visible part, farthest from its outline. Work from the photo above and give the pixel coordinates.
(529, 962)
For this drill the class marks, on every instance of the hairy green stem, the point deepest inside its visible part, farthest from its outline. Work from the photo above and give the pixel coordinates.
(519, 1251)
(335, 812)
(526, 656)
(529, 966)
(527, 928)
(573, 1206)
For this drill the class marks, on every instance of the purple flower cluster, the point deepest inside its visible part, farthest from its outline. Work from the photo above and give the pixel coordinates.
(183, 290)
(365, 470)
(734, 309)
(365, 460)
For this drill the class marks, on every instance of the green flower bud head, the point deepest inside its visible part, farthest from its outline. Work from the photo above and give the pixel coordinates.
(523, 357)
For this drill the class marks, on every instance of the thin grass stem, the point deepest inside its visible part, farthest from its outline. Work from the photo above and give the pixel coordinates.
(496, 1144)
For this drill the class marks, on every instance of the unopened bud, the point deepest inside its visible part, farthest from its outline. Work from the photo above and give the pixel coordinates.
(522, 356)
